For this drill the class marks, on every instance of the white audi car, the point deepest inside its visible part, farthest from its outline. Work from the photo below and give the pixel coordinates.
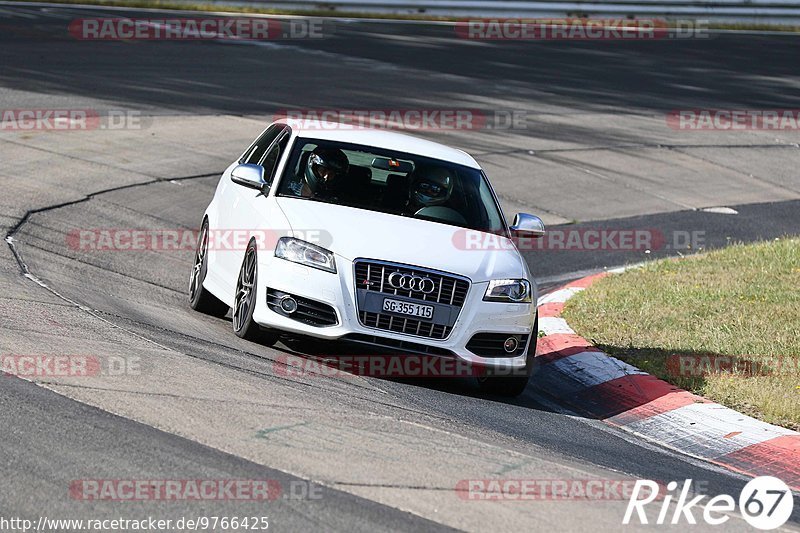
(373, 237)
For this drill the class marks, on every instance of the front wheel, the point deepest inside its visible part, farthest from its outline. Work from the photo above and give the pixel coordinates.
(245, 300)
(511, 386)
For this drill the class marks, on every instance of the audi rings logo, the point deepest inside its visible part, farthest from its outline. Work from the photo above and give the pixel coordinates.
(410, 282)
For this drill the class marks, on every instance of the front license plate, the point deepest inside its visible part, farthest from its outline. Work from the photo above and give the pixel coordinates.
(405, 308)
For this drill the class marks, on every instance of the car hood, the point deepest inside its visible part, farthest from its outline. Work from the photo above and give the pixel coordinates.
(357, 233)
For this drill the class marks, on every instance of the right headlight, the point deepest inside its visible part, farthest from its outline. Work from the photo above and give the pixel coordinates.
(509, 291)
(305, 253)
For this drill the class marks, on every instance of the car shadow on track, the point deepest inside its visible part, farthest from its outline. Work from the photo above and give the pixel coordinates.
(303, 356)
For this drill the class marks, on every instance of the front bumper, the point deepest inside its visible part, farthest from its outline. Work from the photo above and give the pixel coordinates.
(338, 291)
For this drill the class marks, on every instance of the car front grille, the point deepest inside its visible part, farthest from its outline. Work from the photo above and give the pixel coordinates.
(410, 326)
(446, 292)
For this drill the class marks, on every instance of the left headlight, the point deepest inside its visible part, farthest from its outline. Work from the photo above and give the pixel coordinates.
(508, 290)
(305, 253)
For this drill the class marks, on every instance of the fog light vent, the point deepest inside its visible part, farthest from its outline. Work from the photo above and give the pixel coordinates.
(511, 345)
(288, 304)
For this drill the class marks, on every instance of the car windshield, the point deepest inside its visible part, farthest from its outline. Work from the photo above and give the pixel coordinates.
(391, 182)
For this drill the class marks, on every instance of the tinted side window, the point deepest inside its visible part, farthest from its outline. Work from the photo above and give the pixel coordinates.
(270, 162)
(256, 152)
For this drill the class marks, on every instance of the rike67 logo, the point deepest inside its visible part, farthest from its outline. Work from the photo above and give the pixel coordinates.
(765, 503)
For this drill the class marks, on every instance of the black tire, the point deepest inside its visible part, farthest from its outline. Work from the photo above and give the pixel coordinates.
(513, 385)
(199, 298)
(245, 300)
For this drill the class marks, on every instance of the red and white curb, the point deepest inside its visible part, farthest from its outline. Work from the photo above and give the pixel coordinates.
(592, 382)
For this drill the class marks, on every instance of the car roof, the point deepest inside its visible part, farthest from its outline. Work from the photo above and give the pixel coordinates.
(379, 138)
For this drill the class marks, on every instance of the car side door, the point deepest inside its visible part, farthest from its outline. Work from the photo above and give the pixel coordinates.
(245, 212)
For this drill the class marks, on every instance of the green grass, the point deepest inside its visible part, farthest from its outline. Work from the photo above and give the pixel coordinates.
(199, 6)
(741, 301)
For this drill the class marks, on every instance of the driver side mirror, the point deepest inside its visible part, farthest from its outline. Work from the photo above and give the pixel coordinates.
(251, 176)
(528, 225)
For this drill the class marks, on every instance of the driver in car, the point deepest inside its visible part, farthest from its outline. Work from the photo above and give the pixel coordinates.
(323, 174)
(430, 186)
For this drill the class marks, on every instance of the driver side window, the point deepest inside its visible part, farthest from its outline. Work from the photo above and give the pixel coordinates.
(255, 154)
(270, 162)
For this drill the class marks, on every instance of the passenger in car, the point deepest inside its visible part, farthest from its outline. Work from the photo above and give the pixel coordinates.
(430, 186)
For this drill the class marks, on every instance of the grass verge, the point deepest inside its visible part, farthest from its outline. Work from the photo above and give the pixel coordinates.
(725, 325)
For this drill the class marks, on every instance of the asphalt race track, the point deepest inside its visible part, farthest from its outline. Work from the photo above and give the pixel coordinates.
(368, 454)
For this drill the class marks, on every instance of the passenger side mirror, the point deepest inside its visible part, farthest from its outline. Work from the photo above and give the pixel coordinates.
(528, 225)
(251, 176)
